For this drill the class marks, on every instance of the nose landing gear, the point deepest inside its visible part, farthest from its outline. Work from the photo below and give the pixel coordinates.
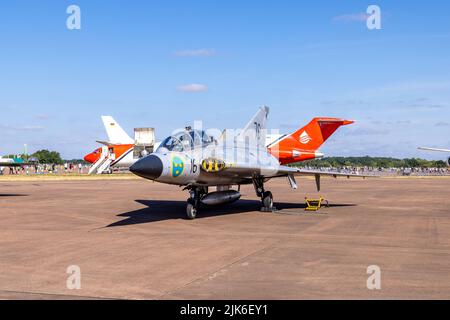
(191, 210)
(193, 203)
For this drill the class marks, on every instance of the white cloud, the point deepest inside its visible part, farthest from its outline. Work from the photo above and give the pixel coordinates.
(41, 116)
(365, 131)
(196, 53)
(193, 87)
(426, 106)
(23, 127)
(420, 88)
(352, 17)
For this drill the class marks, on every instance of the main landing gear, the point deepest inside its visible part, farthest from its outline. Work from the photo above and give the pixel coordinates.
(193, 203)
(266, 196)
(199, 194)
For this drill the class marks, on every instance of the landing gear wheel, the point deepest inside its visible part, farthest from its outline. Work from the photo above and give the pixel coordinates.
(191, 211)
(267, 200)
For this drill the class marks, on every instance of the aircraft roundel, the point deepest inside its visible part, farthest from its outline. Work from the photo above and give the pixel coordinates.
(177, 167)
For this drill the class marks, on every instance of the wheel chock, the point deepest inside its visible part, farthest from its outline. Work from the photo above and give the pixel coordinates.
(315, 204)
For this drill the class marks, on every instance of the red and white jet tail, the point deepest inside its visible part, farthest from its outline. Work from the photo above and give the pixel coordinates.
(303, 144)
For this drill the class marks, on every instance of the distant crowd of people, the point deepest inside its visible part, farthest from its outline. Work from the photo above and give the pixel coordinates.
(388, 171)
(42, 169)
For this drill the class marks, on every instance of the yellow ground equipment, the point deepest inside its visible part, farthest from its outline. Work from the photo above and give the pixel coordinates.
(315, 204)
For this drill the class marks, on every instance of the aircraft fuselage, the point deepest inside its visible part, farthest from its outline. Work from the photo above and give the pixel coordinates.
(204, 166)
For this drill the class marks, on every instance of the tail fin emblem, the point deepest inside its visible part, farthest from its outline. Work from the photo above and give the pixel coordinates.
(305, 138)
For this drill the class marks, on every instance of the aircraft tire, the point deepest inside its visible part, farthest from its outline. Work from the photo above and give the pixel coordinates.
(191, 211)
(267, 200)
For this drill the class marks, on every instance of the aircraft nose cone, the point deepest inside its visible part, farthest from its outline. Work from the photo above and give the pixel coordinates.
(90, 158)
(149, 167)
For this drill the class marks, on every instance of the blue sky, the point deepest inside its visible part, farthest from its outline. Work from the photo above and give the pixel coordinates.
(138, 60)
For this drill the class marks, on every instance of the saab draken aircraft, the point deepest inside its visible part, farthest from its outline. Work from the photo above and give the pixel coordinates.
(436, 150)
(117, 151)
(194, 160)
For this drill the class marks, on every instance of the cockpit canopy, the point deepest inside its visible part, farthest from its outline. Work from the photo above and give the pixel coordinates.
(184, 141)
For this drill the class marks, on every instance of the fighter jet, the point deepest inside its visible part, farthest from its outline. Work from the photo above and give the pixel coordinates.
(196, 161)
(121, 145)
(436, 150)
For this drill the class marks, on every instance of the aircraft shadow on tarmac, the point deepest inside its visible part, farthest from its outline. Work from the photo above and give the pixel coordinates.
(160, 210)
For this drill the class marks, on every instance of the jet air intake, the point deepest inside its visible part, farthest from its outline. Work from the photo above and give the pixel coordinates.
(213, 165)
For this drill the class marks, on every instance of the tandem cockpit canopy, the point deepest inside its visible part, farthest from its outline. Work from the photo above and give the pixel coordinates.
(185, 140)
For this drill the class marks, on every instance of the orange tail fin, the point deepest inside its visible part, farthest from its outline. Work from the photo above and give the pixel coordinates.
(303, 144)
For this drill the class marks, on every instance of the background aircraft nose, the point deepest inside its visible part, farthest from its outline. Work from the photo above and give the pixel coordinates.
(91, 158)
(149, 167)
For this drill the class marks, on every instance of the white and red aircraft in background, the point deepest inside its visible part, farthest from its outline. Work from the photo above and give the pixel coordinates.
(117, 152)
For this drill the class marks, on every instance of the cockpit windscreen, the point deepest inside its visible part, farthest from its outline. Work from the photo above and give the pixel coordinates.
(184, 141)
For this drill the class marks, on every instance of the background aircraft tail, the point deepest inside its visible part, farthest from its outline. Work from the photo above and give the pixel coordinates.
(304, 143)
(116, 134)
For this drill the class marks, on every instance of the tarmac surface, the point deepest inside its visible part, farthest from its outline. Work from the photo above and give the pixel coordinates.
(131, 241)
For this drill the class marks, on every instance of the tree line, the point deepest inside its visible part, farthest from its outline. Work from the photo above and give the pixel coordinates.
(375, 162)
